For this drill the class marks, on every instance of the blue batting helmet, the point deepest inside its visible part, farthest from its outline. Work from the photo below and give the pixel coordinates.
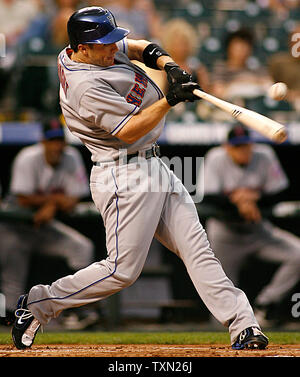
(94, 25)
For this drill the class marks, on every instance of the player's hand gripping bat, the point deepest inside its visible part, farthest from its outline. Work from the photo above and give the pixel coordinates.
(260, 123)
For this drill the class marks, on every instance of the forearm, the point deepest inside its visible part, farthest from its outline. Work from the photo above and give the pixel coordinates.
(143, 122)
(34, 200)
(136, 49)
(59, 200)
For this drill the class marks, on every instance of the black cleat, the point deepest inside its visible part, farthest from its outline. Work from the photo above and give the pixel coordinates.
(25, 326)
(250, 338)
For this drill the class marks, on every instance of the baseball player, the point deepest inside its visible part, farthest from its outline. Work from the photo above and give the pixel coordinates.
(118, 112)
(48, 177)
(239, 177)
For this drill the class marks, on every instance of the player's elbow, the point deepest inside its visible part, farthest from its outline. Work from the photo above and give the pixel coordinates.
(127, 137)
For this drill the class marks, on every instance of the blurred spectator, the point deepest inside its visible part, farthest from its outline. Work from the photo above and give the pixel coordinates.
(139, 16)
(179, 39)
(285, 67)
(241, 178)
(37, 87)
(15, 17)
(234, 77)
(49, 178)
(280, 8)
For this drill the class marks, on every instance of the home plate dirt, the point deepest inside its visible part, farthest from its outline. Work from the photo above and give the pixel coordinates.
(149, 350)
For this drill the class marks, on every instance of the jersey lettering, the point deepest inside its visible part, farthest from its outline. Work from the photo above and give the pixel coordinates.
(62, 79)
(141, 80)
(137, 93)
(138, 90)
(132, 99)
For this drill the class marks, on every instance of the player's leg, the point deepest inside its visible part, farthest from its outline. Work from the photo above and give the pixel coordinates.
(284, 248)
(181, 231)
(58, 239)
(130, 219)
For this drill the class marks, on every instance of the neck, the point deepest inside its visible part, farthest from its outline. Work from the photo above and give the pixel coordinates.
(77, 57)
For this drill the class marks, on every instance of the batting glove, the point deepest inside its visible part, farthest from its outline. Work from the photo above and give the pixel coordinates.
(182, 93)
(176, 75)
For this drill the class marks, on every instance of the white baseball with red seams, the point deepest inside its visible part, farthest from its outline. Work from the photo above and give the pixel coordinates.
(278, 91)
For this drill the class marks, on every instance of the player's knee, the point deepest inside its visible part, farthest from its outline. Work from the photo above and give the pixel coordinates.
(126, 279)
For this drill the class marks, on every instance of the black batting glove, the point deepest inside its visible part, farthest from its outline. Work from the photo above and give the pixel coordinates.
(182, 93)
(176, 75)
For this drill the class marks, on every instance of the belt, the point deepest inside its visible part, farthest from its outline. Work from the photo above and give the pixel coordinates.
(153, 152)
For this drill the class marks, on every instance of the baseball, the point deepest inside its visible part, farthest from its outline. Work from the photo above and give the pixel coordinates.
(278, 91)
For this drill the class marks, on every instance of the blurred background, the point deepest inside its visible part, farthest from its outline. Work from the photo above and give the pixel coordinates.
(235, 49)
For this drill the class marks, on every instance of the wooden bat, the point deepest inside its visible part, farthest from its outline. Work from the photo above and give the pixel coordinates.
(260, 123)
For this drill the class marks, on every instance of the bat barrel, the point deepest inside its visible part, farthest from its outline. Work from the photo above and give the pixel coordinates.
(260, 123)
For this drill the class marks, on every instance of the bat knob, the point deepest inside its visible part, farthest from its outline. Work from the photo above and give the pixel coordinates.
(280, 136)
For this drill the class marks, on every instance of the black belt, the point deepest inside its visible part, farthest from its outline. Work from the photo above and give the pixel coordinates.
(153, 152)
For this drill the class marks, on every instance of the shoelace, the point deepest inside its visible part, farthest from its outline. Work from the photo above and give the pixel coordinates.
(26, 314)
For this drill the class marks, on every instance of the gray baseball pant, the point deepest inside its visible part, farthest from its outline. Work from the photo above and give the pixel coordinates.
(137, 204)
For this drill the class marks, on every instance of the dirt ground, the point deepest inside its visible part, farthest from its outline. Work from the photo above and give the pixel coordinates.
(148, 350)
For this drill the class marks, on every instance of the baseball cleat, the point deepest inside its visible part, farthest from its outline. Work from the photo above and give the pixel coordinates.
(250, 338)
(25, 326)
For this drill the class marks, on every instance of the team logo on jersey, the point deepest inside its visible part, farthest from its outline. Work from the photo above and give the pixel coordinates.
(137, 93)
(62, 78)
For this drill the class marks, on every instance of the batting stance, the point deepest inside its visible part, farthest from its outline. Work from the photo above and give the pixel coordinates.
(118, 112)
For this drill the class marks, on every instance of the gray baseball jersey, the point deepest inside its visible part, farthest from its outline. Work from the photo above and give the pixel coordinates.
(232, 240)
(32, 174)
(222, 175)
(97, 102)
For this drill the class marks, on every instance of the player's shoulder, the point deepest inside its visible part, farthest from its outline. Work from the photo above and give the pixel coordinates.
(263, 150)
(31, 152)
(71, 151)
(30, 157)
(216, 153)
(71, 156)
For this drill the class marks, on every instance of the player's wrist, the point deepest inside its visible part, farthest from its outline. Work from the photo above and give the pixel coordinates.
(175, 74)
(152, 56)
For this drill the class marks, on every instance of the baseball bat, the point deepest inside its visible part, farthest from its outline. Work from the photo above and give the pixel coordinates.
(260, 123)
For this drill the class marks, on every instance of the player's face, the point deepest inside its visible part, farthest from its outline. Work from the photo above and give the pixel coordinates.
(240, 154)
(103, 55)
(53, 151)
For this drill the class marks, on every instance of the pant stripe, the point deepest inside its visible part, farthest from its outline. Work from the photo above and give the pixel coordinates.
(116, 259)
